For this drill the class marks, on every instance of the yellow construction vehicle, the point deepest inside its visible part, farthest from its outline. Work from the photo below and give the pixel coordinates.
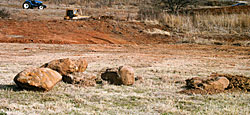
(75, 14)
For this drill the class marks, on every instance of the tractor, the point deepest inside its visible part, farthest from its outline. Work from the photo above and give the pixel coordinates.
(75, 14)
(30, 4)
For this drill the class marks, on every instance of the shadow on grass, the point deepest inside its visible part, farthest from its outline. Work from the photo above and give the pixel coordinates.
(10, 87)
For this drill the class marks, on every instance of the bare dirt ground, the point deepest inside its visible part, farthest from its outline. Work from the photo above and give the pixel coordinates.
(79, 32)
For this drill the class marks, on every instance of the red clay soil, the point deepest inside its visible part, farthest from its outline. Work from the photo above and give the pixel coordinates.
(236, 83)
(77, 32)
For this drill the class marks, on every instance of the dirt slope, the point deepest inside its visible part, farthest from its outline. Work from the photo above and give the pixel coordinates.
(52, 32)
(76, 32)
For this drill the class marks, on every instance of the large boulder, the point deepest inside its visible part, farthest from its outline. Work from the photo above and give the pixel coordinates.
(67, 66)
(38, 79)
(123, 75)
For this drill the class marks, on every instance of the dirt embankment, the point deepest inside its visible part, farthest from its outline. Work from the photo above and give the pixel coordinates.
(223, 10)
(78, 32)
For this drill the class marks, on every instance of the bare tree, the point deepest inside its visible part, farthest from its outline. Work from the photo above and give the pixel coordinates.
(173, 6)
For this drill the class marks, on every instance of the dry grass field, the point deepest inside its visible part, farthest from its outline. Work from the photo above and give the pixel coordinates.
(163, 55)
(163, 67)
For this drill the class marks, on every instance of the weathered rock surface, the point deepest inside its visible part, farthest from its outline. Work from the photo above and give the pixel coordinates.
(67, 66)
(237, 82)
(81, 79)
(127, 75)
(118, 76)
(38, 79)
(217, 83)
(210, 83)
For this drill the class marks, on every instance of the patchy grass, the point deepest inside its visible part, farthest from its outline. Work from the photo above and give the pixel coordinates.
(163, 67)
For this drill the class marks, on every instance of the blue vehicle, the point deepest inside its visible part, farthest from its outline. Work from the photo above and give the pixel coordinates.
(240, 4)
(30, 4)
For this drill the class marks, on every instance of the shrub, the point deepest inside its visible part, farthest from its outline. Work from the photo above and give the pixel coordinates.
(4, 13)
(173, 6)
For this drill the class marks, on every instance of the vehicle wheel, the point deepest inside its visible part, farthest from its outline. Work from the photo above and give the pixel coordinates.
(26, 5)
(41, 7)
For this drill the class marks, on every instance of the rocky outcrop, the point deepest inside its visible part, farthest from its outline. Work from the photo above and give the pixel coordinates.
(37, 79)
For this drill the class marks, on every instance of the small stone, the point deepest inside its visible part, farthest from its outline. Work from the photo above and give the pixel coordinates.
(80, 79)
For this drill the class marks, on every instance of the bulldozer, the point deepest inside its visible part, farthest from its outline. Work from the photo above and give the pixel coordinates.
(75, 14)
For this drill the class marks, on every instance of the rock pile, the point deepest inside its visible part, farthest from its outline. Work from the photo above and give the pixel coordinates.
(67, 66)
(236, 82)
(216, 83)
(123, 75)
(70, 71)
(81, 79)
(46, 77)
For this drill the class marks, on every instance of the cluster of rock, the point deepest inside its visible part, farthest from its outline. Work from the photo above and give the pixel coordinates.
(118, 76)
(208, 83)
(67, 66)
(217, 83)
(44, 78)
